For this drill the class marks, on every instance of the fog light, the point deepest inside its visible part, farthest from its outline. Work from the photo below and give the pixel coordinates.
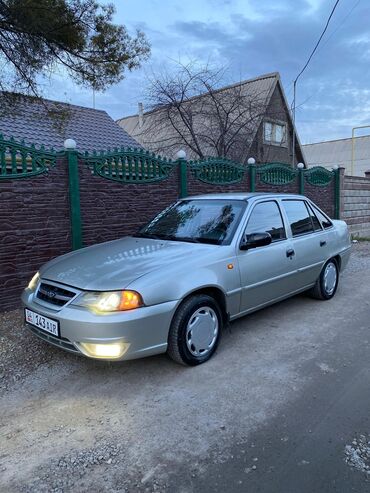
(109, 351)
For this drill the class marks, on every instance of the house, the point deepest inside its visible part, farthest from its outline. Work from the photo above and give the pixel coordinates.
(352, 154)
(49, 123)
(264, 130)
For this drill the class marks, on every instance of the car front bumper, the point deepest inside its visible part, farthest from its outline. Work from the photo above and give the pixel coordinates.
(140, 332)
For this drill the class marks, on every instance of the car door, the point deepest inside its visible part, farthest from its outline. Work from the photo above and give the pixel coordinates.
(309, 240)
(267, 273)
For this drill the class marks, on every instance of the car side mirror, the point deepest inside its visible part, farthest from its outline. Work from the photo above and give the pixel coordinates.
(255, 240)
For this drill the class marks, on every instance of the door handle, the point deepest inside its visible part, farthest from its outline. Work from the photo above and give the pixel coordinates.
(322, 243)
(290, 252)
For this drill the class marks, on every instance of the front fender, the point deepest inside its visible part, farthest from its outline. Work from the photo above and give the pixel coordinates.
(169, 286)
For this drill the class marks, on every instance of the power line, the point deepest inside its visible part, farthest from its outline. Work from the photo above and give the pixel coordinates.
(303, 69)
(319, 40)
(322, 46)
(340, 24)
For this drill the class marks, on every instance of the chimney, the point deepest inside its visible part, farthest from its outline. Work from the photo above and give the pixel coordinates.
(141, 115)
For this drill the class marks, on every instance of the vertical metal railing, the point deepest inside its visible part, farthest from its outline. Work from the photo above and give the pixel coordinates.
(74, 193)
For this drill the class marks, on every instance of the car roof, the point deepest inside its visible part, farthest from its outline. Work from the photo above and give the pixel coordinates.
(243, 195)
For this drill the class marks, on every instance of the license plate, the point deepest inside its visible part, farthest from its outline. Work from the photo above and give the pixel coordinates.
(41, 322)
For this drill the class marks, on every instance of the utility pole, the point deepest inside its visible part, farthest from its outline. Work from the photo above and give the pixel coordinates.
(353, 147)
(293, 119)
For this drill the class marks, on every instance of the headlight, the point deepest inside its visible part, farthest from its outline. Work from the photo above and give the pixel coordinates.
(33, 282)
(110, 301)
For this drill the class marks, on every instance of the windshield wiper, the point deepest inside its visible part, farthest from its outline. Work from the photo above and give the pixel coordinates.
(149, 235)
(210, 241)
(188, 239)
(191, 239)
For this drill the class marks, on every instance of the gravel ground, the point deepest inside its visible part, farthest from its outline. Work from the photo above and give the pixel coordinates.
(357, 454)
(73, 424)
(18, 359)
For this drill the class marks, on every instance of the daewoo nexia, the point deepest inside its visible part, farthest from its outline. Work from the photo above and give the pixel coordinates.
(202, 262)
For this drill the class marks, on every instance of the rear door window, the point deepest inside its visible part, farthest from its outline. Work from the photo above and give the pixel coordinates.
(298, 216)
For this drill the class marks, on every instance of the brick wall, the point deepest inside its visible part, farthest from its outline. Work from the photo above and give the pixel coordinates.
(356, 204)
(35, 220)
(322, 196)
(34, 225)
(110, 210)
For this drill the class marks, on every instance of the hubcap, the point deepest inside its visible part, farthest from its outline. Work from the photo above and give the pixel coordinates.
(202, 331)
(330, 278)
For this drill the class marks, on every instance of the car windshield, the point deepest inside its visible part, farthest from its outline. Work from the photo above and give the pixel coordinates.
(197, 221)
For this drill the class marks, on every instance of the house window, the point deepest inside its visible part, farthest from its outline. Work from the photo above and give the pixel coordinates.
(274, 133)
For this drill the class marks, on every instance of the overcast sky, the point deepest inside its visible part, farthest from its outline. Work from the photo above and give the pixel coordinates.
(253, 37)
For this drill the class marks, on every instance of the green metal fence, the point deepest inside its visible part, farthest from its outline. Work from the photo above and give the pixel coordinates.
(129, 165)
(137, 166)
(217, 171)
(20, 161)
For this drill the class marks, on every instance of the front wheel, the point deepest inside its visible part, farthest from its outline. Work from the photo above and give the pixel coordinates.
(195, 330)
(326, 285)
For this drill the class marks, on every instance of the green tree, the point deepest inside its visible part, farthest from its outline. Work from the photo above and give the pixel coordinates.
(36, 36)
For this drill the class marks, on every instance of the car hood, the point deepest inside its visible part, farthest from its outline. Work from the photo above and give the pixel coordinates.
(115, 264)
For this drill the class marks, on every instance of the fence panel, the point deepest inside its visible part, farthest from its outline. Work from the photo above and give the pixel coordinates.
(20, 161)
(129, 165)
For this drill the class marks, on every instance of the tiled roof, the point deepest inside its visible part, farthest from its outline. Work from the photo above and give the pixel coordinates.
(49, 123)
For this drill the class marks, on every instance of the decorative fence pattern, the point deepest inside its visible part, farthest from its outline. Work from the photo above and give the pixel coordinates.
(319, 176)
(129, 165)
(277, 174)
(217, 171)
(51, 202)
(20, 161)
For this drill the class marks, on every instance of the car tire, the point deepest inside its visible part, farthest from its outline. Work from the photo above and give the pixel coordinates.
(195, 330)
(326, 285)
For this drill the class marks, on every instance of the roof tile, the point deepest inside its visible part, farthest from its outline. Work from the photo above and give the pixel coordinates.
(31, 120)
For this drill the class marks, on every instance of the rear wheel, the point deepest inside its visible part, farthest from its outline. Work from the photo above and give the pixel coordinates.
(326, 285)
(195, 330)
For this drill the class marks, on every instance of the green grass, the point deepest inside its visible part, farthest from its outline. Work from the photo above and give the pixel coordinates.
(360, 238)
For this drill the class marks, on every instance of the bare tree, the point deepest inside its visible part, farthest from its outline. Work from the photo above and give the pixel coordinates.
(189, 110)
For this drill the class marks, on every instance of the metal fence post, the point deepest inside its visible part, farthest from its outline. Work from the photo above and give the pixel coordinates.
(181, 159)
(300, 167)
(337, 184)
(252, 174)
(74, 193)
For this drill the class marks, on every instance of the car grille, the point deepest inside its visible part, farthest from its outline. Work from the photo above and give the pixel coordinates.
(54, 295)
(62, 342)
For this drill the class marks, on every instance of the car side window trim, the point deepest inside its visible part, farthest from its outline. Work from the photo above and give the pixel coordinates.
(311, 213)
(315, 208)
(281, 217)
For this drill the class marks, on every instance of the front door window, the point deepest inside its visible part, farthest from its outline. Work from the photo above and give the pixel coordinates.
(266, 218)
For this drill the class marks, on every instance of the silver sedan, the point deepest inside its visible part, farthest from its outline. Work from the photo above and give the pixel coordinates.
(173, 286)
